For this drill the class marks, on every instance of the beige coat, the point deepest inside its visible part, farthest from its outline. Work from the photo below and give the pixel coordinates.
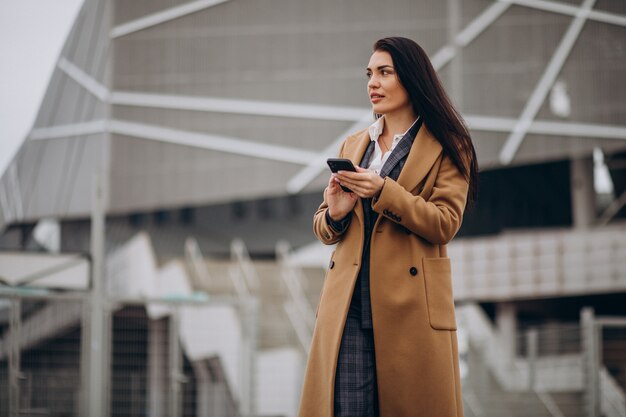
(413, 315)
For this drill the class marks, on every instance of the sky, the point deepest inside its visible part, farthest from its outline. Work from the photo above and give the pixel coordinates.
(32, 34)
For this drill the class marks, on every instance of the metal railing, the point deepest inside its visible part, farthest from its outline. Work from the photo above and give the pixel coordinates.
(557, 370)
(167, 366)
(298, 308)
(539, 263)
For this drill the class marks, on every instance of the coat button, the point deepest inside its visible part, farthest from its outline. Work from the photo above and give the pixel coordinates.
(413, 271)
(332, 264)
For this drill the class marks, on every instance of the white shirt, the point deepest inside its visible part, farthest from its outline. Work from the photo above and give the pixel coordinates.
(379, 158)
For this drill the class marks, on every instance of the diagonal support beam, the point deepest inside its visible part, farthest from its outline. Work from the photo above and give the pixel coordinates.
(237, 106)
(83, 79)
(545, 82)
(440, 59)
(612, 210)
(569, 10)
(162, 17)
(467, 35)
(213, 142)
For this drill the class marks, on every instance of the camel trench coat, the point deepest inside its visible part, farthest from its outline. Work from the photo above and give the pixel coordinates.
(410, 288)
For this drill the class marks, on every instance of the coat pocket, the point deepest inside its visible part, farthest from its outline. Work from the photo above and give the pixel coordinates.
(439, 298)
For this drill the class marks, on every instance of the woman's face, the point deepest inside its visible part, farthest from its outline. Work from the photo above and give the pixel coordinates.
(386, 93)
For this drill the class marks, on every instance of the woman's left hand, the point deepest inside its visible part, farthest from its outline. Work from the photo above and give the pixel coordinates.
(363, 182)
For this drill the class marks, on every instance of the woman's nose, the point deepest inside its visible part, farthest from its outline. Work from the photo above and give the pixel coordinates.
(373, 82)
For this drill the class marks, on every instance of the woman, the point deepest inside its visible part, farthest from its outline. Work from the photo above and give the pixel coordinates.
(385, 341)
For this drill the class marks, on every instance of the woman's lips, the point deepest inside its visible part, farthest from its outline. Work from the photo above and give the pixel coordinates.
(375, 98)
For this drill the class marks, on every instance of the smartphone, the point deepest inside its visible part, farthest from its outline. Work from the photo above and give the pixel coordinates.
(341, 164)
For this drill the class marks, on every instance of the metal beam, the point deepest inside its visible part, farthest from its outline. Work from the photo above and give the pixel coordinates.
(70, 130)
(569, 10)
(234, 106)
(612, 209)
(317, 163)
(545, 82)
(213, 142)
(474, 122)
(83, 79)
(467, 35)
(162, 17)
(439, 60)
(547, 127)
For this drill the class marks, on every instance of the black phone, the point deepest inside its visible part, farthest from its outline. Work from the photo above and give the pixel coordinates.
(341, 164)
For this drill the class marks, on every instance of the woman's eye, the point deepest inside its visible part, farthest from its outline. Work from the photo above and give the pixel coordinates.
(368, 74)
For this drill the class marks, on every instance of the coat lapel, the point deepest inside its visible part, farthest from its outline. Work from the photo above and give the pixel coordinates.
(424, 152)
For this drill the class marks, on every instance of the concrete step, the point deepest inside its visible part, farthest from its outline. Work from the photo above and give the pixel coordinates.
(571, 404)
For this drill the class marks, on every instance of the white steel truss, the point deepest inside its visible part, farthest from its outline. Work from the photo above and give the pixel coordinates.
(233, 106)
(214, 142)
(179, 137)
(545, 83)
(162, 16)
(314, 161)
(567, 9)
(440, 59)
(467, 35)
(83, 79)
(478, 123)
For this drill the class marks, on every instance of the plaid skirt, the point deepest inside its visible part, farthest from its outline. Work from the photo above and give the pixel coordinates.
(356, 393)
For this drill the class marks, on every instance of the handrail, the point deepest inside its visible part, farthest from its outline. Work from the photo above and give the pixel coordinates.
(538, 263)
(612, 398)
(239, 253)
(193, 257)
(298, 308)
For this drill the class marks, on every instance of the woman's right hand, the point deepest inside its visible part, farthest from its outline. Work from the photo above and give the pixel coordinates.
(339, 202)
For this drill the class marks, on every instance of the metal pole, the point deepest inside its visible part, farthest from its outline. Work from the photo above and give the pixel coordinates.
(250, 307)
(175, 362)
(591, 363)
(531, 352)
(15, 323)
(96, 369)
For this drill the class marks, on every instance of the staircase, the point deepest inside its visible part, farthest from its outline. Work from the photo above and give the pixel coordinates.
(275, 328)
(493, 388)
(484, 396)
(47, 323)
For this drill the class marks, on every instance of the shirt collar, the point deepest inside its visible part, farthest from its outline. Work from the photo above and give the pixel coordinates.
(376, 129)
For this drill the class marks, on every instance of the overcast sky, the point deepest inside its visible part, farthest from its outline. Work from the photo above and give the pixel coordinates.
(32, 33)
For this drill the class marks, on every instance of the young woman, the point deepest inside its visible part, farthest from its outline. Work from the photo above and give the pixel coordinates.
(385, 341)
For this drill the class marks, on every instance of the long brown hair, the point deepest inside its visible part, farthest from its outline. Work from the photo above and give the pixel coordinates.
(429, 99)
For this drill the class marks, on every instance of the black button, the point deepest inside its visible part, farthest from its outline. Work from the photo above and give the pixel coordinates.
(413, 271)
(332, 264)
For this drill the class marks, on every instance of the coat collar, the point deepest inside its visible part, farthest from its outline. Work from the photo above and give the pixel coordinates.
(423, 154)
